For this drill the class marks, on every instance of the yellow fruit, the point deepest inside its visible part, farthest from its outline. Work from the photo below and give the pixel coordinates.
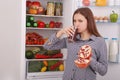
(43, 69)
(61, 67)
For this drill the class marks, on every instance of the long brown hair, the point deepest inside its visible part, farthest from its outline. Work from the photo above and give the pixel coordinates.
(87, 13)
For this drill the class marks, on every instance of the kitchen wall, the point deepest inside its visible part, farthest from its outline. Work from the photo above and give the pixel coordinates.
(11, 40)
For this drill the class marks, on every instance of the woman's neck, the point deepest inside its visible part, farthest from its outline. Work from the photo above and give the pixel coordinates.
(85, 36)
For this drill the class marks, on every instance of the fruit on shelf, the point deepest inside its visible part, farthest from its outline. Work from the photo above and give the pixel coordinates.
(113, 17)
(35, 5)
(86, 2)
(43, 69)
(56, 65)
(101, 2)
(32, 11)
(58, 24)
(40, 10)
(45, 62)
(51, 24)
(61, 67)
(28, 3)
(47, 25)
(41, 24)
(33, 38)
(29, 54)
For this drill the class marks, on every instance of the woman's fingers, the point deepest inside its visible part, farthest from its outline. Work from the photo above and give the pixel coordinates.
(69, 31)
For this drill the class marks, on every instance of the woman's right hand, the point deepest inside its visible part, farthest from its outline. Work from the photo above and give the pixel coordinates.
(69, 31)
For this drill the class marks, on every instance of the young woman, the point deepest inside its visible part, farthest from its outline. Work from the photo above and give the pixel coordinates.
(86, 34)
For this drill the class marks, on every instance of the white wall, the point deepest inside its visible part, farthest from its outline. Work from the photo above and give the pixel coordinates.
(10, 39)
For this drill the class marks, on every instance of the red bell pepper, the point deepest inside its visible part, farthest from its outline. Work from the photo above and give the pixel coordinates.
(41, 56)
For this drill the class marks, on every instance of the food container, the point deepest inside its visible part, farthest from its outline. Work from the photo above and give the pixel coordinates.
(50, 8)
(58, 8)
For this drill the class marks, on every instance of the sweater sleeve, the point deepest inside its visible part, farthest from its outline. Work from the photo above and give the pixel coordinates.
(55, 43)
(100, 65)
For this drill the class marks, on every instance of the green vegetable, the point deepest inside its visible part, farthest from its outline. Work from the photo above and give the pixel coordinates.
(30, 18)
(28, 24)
(35, 24)
(29, 54)
(35, 66)
(113, 17)
(35, 50)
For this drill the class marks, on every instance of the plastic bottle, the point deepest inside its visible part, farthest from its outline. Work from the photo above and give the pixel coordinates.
(113, 50)
(107, 44)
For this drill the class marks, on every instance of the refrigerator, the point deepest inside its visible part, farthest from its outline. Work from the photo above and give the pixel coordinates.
(106, 28)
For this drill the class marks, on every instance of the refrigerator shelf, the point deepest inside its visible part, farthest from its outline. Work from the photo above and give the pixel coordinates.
(44, 16)
(109, 22)
(45, 59)
(33, 45)
(39, 75)
(31, 28)
(109, 6)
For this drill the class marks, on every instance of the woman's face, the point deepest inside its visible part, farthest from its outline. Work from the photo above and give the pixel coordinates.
(80, 22)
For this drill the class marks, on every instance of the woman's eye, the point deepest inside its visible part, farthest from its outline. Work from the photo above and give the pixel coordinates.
(74, 20)
(80, 20)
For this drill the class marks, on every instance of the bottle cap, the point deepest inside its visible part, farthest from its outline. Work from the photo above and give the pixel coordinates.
(114, 38)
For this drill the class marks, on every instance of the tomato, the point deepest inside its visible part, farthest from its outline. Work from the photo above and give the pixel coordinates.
(28, 3)
(52, 24)
(41, 25)
(35, 4)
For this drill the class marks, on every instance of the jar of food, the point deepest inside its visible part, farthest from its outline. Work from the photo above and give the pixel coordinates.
(50, 8)
(58, 8)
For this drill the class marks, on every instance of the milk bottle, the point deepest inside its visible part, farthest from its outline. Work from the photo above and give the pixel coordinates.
(113, 50)
(107, 44)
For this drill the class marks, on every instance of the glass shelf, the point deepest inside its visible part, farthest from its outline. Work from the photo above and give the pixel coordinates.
(33, 45)
(37, 15)
(32, 28)
(45, 59)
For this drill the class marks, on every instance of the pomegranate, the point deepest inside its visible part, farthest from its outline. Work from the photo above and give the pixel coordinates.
(82, 63)
(85, 51)
(84, 55)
